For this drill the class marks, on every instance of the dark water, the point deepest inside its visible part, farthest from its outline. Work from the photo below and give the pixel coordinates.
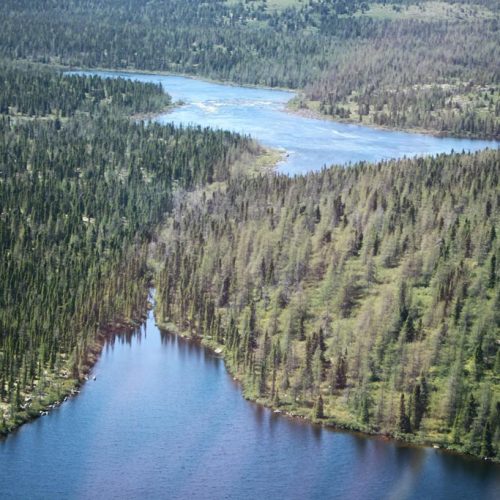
(309, 143)
(164, 420)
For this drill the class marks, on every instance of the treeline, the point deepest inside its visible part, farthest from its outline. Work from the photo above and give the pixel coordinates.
(367, 297)
(79, 200)
(354, 66)
(32, 90)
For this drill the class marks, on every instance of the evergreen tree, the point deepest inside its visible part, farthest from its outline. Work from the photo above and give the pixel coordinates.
(404, 424)
(486, 443)
(341, 373)
(418, 407)
(318, 408)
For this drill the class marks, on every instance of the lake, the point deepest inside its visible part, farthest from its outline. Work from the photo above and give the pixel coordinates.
(164, 419)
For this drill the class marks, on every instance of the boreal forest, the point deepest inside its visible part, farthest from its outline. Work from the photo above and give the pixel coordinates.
(364, 296)
(82, 187)
(427, 65)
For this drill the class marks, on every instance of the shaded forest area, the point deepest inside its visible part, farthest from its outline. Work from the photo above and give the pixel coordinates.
(366, 297)
(435, 69)
(82, 188)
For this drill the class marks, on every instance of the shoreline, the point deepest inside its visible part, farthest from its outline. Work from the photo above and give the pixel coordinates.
(155, 114)
(302, 413)
(94, 351)
(330, 425)
(264, 162)
(72, 389)
(316, 115)
(191, 76)
(289, 106)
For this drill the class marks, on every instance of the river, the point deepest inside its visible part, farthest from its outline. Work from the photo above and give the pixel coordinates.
(164, 419)
(310, 143)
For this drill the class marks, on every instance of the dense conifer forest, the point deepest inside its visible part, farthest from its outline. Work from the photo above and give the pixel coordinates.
(367, 297)
(430, 65)
(29, 90)
(82, 187)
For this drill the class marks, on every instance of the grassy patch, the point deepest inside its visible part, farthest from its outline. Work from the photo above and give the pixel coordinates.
(427, 11)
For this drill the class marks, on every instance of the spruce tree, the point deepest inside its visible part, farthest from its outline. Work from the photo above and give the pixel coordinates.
(486, 443)
(318, 410)
(404, 424)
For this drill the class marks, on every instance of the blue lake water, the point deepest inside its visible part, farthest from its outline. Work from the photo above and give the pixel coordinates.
(310, 143)
(163, 419)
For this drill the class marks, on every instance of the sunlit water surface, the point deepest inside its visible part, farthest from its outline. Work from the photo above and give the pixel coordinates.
(309, 143)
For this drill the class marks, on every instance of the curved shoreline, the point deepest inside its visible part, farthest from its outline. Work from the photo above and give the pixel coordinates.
(92, 357)
(329, 424)
(94, 353)
(307, 112)
(89, 359)
(289, 106)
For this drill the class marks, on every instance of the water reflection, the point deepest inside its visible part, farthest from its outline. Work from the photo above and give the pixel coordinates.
(317, 432)
(165, 420)
(124, 336)
(410, 462)
(259, 415)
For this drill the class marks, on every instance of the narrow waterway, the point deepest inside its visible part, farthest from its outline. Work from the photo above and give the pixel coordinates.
(163, 419)
(309, 143)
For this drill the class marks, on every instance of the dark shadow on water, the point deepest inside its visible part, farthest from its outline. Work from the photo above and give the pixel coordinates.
(317, 432)
(260, 415)
(458, 464)
(168, 338)
(124, 337)
(360, 445)
(189, 348)
(410, 457)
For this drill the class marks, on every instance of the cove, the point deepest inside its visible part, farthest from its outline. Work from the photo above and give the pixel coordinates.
(164, 419)
(309, 143)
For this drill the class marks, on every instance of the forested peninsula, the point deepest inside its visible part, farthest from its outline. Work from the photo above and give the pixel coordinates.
(82, 188)
(365, 297)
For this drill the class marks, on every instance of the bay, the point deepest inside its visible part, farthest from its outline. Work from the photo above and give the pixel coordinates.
(164, 419)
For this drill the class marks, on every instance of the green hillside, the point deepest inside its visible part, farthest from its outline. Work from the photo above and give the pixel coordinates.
(366, 297)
